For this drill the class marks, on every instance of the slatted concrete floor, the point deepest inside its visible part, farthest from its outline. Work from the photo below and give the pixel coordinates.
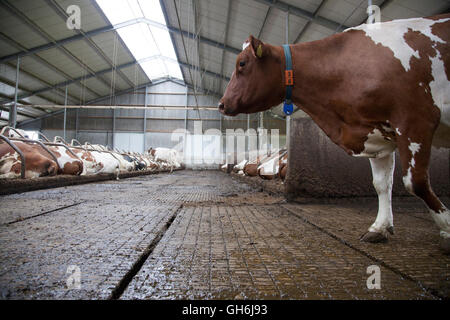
(204, 235)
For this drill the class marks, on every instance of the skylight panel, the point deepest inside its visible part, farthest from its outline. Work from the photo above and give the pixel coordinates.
(144, 41)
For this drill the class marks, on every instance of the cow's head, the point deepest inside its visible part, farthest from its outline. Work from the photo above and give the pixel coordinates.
(256, 83)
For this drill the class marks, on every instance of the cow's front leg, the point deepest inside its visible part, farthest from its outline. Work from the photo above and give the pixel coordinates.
(382, 173)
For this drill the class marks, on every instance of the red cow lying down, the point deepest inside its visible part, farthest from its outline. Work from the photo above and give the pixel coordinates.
(372, 89)
(36, 164)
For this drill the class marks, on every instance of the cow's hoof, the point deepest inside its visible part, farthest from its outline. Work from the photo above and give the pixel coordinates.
(390, 230)
(445, 245)
(374, 237)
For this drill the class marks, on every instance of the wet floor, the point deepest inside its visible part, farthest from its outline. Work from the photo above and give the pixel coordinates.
(207, 235)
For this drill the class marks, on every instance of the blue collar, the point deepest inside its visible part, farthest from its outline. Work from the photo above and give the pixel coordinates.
(289, 80)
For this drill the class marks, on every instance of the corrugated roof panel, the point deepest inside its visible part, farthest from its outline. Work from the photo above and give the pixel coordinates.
(308, 5)
(17, 30)
(185, 12)
(96, 85)
(53, 97)
(211, 58)
(274, 31)
(345, 12)
(229, 63)
(135, 74)
(212, 19)
(85, 53)
(32, 65)
(246, 18)
(62, 62)
(6, 48)
(402, 9)
(44, 17)
(105, 42)
(296, 25)
(26, 81)
(120, 84)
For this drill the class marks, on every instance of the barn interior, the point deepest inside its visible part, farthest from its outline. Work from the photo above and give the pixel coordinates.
(135, 75)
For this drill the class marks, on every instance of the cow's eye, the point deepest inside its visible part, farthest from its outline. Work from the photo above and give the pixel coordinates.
(242, 63)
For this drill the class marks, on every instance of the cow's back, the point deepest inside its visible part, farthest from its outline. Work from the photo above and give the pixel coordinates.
(422, 47)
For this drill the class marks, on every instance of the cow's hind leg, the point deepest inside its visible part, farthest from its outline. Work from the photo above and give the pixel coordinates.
(382, 173)
(415, 154)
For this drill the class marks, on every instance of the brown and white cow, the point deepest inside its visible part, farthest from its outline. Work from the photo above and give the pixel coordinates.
(67, 163)
(36, 164)
(270, 169)
(372, 89)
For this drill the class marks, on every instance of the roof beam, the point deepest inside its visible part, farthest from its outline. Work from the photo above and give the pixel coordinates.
(129, 64)
(87, 103)
(92, 33)
(97, 100)
(296, 11)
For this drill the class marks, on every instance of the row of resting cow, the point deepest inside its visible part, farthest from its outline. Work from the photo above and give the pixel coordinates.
(45, 158)
(268, 166)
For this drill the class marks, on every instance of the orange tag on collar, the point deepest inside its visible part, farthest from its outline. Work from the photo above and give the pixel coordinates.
(289, 75)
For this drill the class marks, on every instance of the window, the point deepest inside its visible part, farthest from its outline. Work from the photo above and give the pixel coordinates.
(143, 40)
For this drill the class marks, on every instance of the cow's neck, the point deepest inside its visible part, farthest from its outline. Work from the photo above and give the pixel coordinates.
(313, 82)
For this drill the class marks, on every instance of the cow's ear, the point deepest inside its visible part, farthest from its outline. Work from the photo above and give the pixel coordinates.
(257, 47)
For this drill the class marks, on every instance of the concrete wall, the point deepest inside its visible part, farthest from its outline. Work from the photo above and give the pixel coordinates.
(319, 168)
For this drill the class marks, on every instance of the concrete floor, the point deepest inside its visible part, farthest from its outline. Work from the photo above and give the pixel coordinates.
(207, 235)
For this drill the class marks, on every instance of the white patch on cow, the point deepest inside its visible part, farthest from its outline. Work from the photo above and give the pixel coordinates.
(376, 146)
(8, 161)
(383, 175)
(269, 168)
(30, 174)
(442, 220)
(170, 156)
(64, 158)
(407, 180)
(110, 164)
(440, 88)
(397, 130)
(13, 134)
(391, 35)
(414, 148)
(245, 45)
(240, 165)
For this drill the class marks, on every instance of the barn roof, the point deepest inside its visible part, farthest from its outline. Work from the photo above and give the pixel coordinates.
(94, 62)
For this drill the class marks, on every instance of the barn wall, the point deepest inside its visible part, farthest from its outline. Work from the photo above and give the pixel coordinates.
(126, 132)
(319, 168)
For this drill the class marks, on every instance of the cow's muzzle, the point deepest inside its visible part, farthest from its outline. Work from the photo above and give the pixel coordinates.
(222, 107)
